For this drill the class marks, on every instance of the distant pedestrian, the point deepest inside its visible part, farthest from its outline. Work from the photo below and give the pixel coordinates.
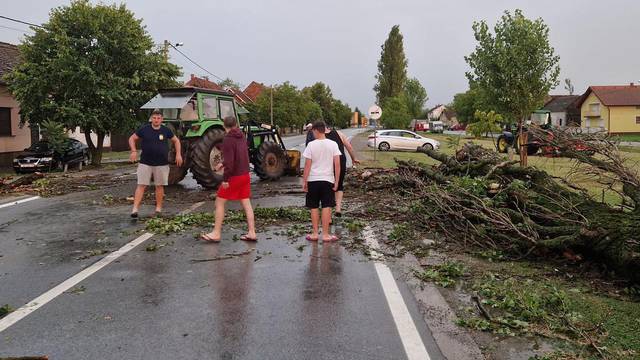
(154, 161)
(236, 184)
(309, 139)
(343, 143)
(320, 180)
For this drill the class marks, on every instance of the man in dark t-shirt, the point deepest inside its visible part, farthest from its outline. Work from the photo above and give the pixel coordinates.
(154, 161)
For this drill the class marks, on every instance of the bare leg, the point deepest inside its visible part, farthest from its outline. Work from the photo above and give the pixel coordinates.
(315, 220)
(326, 223)
(137, 198)
(339, 195)
(219, 217)
(159, 197)
(251, 223)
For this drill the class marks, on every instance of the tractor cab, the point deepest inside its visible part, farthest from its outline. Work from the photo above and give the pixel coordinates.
(196, 116)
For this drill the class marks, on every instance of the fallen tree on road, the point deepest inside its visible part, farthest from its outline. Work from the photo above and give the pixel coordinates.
(479, 198)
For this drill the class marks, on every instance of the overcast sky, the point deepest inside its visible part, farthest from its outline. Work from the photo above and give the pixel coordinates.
(338, 41)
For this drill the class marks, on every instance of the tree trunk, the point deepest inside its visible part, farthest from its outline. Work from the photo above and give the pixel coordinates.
(522, 143)
(95, 149)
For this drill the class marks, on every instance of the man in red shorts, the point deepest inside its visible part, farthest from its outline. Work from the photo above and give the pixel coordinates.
(236, 184)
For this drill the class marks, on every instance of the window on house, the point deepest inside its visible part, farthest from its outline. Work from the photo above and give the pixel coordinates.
(594, 108)
(637, 120)
(5, 121)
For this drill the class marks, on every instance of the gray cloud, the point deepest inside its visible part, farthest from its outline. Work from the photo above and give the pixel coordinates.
(338, 42)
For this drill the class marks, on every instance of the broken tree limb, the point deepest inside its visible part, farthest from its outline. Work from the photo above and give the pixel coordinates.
(224, 257)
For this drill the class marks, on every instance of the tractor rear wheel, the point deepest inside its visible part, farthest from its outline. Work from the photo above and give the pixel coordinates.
(177, 173)
(205, 156)
(503, 144)
(270, 161)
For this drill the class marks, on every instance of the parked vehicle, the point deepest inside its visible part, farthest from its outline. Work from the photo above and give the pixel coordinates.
(419, 125)
(195, 116)
(436, 126)
(40, 157)
(386, 140)
(459, 127)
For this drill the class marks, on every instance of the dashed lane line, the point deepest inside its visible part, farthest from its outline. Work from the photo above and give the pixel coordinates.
(43, 299)
(12, 203)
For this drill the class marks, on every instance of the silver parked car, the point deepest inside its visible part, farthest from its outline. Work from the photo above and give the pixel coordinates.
(387, 140)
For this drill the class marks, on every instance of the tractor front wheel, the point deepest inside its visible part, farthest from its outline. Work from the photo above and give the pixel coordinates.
(270, 161)
(503, 145)
(205, 156)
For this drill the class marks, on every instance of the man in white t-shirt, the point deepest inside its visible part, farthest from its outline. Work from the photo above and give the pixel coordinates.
(320, 180)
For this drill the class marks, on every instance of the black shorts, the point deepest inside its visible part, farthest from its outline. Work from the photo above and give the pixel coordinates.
(320, 195)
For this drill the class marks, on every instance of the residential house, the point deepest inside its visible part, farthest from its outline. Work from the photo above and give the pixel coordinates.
(13, 137)
(615, 109)
(563, 109)
(444, 114)
(254, 90)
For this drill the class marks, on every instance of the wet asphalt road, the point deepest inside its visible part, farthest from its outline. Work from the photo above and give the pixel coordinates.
(286, 299)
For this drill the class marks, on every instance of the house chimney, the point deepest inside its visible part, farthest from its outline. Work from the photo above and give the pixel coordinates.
(632, 84)
(193, 76)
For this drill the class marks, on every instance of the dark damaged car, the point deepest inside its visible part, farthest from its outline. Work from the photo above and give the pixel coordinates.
(40, 157)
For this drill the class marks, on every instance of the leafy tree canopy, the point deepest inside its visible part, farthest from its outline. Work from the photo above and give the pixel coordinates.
(515, 65)
(395, 114)
(416, 97)
(90, 66)
(392, 67)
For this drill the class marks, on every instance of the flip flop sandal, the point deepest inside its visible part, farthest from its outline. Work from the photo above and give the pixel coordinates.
(206, 237)
(311, 238)
(332, 238)
(247, 238)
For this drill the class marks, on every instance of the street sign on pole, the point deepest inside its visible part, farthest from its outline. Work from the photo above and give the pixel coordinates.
(375, 112)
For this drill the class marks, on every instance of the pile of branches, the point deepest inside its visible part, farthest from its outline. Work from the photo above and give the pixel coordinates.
(479, 198)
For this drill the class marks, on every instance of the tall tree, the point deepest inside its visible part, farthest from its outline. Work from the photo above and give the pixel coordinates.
(321, 94)
(291, 108)
(392, 67)
(467, 103)
(516, 66)
(568, 86)
(416, 96)
(89, 66)
(395, 113)
(342, 114)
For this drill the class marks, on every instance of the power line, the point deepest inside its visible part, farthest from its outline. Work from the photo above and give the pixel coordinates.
(16, 29)
(196, 64)
(20, 21)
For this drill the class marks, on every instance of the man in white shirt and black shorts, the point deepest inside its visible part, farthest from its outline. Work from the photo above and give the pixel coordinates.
(320, 180)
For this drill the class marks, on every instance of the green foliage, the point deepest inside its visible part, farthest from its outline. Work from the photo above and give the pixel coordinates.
(5, 310)
(89, 66)
(515, 66)
(341, 114)
(485, 123)
(291, 108)
(392, 67)
(55, 135)
(401, 232)
(395, 114)
(416, 96)
(475, 186)
(321, 94)
(443, 275)
(467, 103)
(453, 142)
(229, 83)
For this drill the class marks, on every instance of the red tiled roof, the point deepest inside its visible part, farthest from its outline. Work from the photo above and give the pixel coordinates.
(240, 96)
(9, 57)
(625, 95)
(254, 90)
(203, 83)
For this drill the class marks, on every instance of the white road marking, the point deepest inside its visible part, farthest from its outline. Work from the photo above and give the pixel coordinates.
(409, 335)
(192, 208)
(43, 299)
(19, 201)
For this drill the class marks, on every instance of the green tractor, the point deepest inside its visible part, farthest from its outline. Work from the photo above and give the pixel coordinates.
(195, 116)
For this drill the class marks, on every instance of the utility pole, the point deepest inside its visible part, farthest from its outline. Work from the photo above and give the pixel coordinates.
(271, 105)
(165, 50)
